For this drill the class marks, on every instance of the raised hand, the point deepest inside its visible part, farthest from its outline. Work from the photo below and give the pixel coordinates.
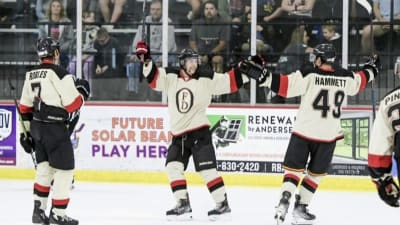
(143, 51)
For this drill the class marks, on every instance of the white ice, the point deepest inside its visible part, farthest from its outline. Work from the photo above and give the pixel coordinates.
(143, 204)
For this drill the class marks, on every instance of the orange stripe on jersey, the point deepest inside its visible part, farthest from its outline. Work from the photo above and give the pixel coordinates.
(363, 80)
(60, 202)
(178, 183)
(214, 182)
(25, 109)
(41, 188)
(283, 85)
(341, 136)
(376, 161)
(232, 79)
(292, 169)
(75, 105)
(154, 81)
(292, 176)
(311, 183)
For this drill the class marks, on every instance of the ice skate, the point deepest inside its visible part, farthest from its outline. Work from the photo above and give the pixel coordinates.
(39, 216)
(221, 211)
(301, 216)
(282, 208)
(62, 220)
(182, 211)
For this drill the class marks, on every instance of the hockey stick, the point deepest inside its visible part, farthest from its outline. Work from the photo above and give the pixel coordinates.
(20, 119)
(144, 21)
(373, 86)
(143, 36)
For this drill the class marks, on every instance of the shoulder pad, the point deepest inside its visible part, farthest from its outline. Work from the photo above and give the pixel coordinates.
(172, 70)
(390, 92)
(205, 71)
(343, 72)
(60, 71)
(307, 68)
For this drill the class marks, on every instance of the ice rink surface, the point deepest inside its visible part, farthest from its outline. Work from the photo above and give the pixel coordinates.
(142, 204)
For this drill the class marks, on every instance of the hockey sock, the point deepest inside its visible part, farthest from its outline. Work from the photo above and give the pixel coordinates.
(290, 181)
(41, 187)
(61, 191)
(177, 180)
(308, 187)
(215, 184)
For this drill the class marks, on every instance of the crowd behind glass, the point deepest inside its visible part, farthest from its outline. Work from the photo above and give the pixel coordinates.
(220, 30)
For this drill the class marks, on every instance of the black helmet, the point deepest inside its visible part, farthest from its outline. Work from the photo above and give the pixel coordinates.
(186, 53)
(46, 47)
(326, 52)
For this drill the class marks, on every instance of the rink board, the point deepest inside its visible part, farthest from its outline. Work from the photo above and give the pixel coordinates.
(341, 183)
(116, 142)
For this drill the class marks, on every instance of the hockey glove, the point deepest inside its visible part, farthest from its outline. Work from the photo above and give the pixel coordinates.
(388, 190)
(143, 51)
(373, 63)
(254, 71)
(26, 142)
(83, 87)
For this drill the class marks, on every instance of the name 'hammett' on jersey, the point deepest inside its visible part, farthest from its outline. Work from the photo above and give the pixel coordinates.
(330, 81)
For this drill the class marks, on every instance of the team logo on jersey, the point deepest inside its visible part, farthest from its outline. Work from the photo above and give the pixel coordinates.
(5, 124)
(184, 100)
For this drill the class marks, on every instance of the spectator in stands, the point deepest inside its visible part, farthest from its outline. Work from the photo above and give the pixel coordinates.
(297, 12)
(328, 10)
(153, 21)
(88, 50)
(111, 10)
(198, 6)
(238, 8)
(261, 46)
(59, 27)
(242, 38)
(298, 9)
(209, 36)
(5, 16)
(382, 11)
(331, 36)
(195, 12)
(25, 15)
(88, 6)
(42, 7)
(108, 82)
(91, 8)
(294, 55)
(270, 11)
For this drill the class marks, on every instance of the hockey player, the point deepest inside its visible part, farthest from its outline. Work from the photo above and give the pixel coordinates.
(48, 102)
(189, 90)
(384, 142)
(323, 86)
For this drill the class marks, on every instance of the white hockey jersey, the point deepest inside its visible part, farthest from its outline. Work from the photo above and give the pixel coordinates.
(322, 94)
(53, 85)
(188, 99)
(386, 124)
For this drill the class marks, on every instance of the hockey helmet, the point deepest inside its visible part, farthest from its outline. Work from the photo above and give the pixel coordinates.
(185, 54)
(46, 47)
(326, 52)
